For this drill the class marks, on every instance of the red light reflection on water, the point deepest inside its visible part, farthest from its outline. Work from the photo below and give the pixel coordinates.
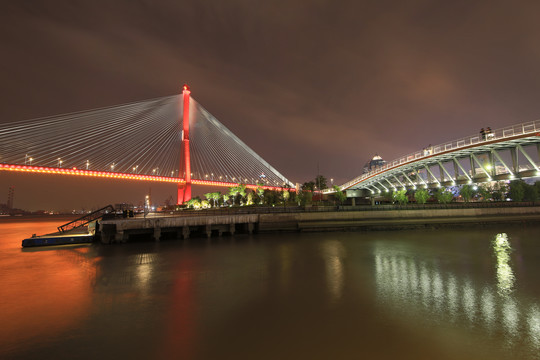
(44, 292)
(181, 332)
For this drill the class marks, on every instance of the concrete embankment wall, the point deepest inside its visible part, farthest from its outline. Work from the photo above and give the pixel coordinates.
(120, 230)
(394, 219)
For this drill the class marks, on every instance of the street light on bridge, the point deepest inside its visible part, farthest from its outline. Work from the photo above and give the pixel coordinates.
(60, 162)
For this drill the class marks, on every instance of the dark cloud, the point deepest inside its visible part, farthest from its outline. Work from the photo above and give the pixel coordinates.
(300, 82)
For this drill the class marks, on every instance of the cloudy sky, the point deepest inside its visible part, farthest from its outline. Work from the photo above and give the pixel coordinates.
(301, 82)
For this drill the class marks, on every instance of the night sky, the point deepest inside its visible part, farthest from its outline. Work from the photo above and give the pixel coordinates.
(301, 82)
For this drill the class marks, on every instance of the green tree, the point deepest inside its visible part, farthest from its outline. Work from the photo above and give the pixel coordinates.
(421, 196)
(205, 204)
(467, 192)
(299, 198)
(233, 193)
(225, 199)
(285, 195)
(249, 198)
(270, 197)
(340, 195)
(308, 186)
(517, 190)
(537, 186)
(242, 193)
(308, 197)
(400, 196)
(260, 192)
(194, 203)
(444, 196)
(531, 193)
(213, 196)
(485, 192)
(216, 196)
(320, 182)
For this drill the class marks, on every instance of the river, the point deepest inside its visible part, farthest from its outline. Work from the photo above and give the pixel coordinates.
(435, 294)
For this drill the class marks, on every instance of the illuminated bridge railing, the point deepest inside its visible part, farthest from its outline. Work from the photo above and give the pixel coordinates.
(126, 176)
(532, 128)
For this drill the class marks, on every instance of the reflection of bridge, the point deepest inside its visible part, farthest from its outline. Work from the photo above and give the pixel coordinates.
(416, 288)
(152, 140)
(502, 155)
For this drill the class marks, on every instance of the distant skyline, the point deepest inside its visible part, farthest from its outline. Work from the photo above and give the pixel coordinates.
(303, 83)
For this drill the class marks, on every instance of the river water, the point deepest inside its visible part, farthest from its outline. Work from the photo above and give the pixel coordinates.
(433, 294)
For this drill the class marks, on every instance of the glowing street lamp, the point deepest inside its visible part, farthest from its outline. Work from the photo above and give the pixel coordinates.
(60, 162)
(87, 164)
(30, 160)
(112, 167)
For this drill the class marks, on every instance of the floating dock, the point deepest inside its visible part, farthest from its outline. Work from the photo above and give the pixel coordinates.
(50, 240)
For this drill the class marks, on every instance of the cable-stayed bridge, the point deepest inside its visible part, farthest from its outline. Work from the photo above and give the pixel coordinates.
(168, 139)
(504, 154)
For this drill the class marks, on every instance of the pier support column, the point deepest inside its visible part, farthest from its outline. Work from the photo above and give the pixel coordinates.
(353, 201)
(232, 228)
(121, 236)
(208, 230)
(250, 227)
(185, 232)
(157, 233)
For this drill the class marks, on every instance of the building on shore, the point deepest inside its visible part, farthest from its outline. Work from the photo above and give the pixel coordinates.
(373, 164)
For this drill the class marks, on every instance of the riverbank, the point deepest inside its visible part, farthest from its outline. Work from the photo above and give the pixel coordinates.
(216, 223)
(396, 219)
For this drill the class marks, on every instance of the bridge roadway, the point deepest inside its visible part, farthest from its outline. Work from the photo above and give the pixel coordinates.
(429, 168)
(125, 176)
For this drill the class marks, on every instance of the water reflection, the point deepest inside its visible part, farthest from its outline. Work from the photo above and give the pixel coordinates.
(505, 275)
(418, 287)
(333, 253)
(533, 321)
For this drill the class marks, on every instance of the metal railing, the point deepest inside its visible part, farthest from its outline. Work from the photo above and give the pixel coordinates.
(498, 134)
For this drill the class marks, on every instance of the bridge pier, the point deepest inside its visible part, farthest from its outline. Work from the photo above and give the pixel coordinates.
(121, 236)
(157, 233)
(185, 232)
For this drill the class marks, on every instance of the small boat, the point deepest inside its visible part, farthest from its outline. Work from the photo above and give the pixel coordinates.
(53, 239)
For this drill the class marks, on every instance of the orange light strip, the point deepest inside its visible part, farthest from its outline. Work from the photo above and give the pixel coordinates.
(124, 176)
(91, 173)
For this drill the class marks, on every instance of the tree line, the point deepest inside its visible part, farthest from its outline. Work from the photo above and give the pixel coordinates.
(516, 190)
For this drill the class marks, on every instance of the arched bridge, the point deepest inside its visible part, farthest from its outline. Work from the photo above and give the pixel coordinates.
(503, 154)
